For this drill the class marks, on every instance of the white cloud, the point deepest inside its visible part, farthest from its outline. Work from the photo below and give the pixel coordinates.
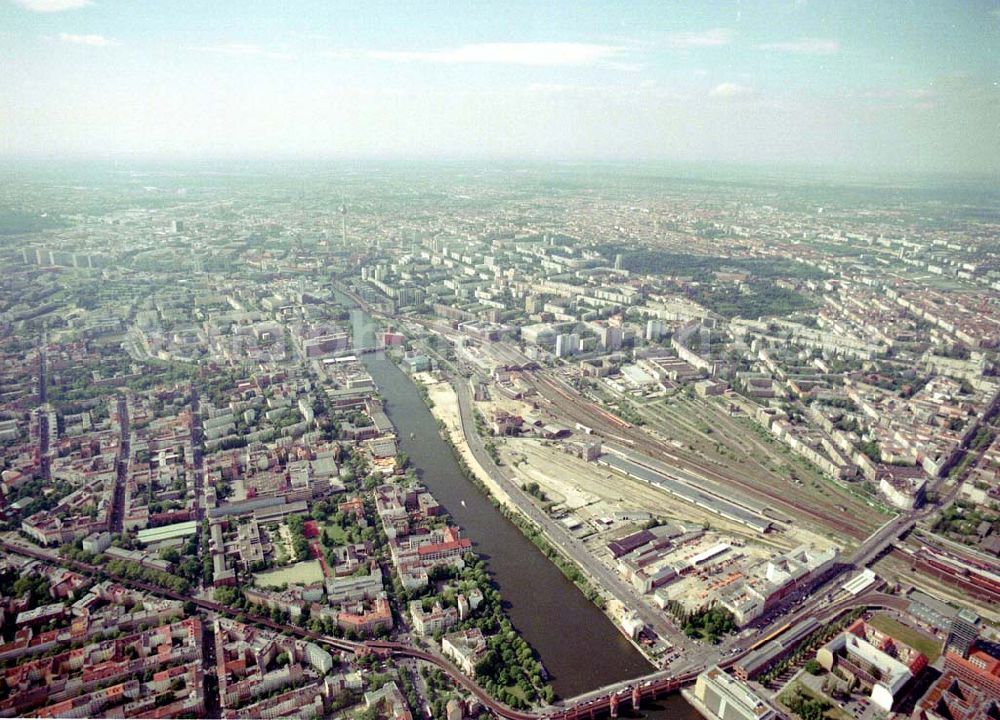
(91, 40)
(804, 46)
(524, 53)
(340, 54)
(729, 90)
(52, 5)
(625, 66)
(716, 37)
(644, 91)
(898, 93)
(245, 50)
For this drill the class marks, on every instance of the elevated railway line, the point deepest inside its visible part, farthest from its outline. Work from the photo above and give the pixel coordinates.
(569, 710)
(606, 700)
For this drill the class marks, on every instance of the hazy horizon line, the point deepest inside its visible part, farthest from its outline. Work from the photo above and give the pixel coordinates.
(153, 160)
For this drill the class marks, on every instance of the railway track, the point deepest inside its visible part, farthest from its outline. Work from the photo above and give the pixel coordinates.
(944, 569)
(597, 418)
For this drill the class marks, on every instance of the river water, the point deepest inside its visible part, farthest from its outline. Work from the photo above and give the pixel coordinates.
(579, 646)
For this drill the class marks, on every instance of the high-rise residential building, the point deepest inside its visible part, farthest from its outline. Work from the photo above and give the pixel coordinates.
(567, 344)
(611, 338)
(409, 295)
(655, 329)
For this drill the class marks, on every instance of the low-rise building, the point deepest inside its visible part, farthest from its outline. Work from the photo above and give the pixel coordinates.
(466, 648)
(389, 701)
(875, 659)
(437, 619)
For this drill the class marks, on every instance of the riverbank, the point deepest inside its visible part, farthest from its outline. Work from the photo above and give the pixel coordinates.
(551, 613)
(444, 407)
(443, 402)
(580, 647)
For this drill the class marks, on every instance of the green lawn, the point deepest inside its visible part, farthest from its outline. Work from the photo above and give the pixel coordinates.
(336, 533)
(515, 690)
(305, 572)
(916, 639)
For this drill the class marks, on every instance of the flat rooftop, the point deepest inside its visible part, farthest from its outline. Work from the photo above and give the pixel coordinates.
(688, 493)
(167, 532)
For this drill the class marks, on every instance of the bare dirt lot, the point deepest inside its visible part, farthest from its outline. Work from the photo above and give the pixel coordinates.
(593, 491)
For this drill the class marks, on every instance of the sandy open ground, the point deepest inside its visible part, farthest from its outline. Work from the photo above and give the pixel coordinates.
(590, 491)
(446, 409)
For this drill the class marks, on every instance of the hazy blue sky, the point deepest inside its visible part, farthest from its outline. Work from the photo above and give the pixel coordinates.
(868, 84)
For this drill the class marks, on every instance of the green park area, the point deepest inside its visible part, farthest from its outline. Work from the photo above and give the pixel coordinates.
(808, 704)
(336, 533)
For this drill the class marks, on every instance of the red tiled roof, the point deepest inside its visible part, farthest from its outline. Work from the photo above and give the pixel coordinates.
(444, 546)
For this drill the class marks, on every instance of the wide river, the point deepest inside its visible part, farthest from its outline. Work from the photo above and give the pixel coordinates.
(579, 646)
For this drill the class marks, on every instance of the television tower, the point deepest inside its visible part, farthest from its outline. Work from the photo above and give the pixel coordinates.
(343, 225)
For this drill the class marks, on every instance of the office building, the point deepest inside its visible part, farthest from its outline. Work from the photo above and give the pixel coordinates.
(968, 689)
(962, 633)
(718, 695)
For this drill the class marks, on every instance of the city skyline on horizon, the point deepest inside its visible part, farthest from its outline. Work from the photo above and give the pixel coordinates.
(780, 84)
